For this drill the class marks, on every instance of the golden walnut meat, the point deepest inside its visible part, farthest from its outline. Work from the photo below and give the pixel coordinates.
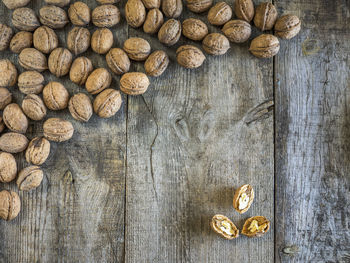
(78, 40)
(10, 205)
(80, 70)
(25, 19)
(172, 8)
(264, 46)
(6, 33)
(33, 106)
(237, 31)
(243, 198)
(60, 61)
(137, 49)
(53, 16)
(15, 119)
(55, 96)
(98, 80)
(199, 6)
(170, 32)
(13, 4)
(8, 73)
(265, 16)
(45, 39)
(32, 59)
(8, 167)
(153, 22)
(5, 97)
(38, 151)
(189, 56)
(20, 41)
(105, 16)
(60, 3)
(256, 226)
(224, 227)
(79, 14)
(194, 29)
(244, 10)
(215, 44)
(29, 178)
(107, 103)
(135, 13)
(13, 142)
(287, 26)
(156, 63)
(149, 4)
(31, 82)
(118, 61)
(134, 83)
(219, 14)
(80, 107)
(58, 130)
(102, 40)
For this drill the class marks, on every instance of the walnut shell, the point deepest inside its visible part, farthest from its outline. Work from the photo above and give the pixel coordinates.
(20, 41)
(55, 96)
(60, 61)
(102, 40)
(170, 32)
(216, 44)
(150, 4)
(53, 16)
(104, 2)
(134, 83)
(118, 61)
(287, 26)
(199, 6)
(14, 118)
(8, 167)
(58, 130)
(8, 73)
(264, 46)
(172, 8)
(29, 178)
(13, 142)
(107, 103)
(135, 13)
(5, 97)
(137, 49)
(32, 59)
(244, 10)
(224, 227)
(25, 19)
(237, 31)
(45, 39)
(256, 226)
(2, 125)
(60, 3)
(189, 56)
(265, 16)
(153, 22)
(194, 29)
(6, 33)
(78, 40)
(31, 82)
(80, 107)
(219, 14)
(243, 198)
(79, 14)
(80, 70)
(98, 80)
(10, 205)
(33, 106)
(156, 63)
(38, 151)
(13, 4)
(105, 16)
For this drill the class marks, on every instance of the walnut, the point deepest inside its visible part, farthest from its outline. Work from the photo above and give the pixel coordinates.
(256, 226)
(172, 8)
(79, 14)
(25, 19)
(194, 29)
(8, 167)
(58, 130)
(13, 4)
(45, 39)
(215, 44)
(20, 41)
(102, 40)
(80, 107)
(243, 198)
(150, 4)
(199, 6)
(78, 40)
(6, 33)
(60, 3)
(15, 119)
(170, 32)
(264, 46)
(118, 61)
(156, 63)
(287, 26)
(53, 16)
(153, 22)
(219, 14)
(80, 70)
(105, 16)
(107, 103)
(38, 151)
(189, 56)
(29, 178)
(138, 49)
(135, 13)
(10, 205)
(8, 73)
(32, 59)
(134, 83)
(60, 61)
(265, 16)
(244, 10)
(5, 97)
(98, 80)
(13, 142)
(55, 96)
(34, 107)
(237, 31)
(224, 227)
(31, 82)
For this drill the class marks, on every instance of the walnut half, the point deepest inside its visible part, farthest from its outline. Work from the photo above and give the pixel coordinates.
(224, 227)
(243, 198)
(256, 226)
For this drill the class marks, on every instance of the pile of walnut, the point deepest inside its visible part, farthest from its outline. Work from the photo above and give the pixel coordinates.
(255, 226)
(39, 51)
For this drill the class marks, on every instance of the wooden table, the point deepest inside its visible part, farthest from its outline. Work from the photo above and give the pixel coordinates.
(143, 185)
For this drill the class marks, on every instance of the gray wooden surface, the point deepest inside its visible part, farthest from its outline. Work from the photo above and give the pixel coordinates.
(143, 185)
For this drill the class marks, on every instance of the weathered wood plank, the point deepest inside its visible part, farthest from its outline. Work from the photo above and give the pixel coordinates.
(312, 135)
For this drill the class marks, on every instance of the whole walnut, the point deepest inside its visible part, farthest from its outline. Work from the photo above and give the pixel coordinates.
(264, 46)
(29, 178)
(80, 70)
(79, 14)
(8, 167)
(60, 61)
(135, 13)
(13, 142)
(25, 19)
(10, 205)
(189, 56)
(287, 26)
(2, 125)
(244, 10)
(107, 103)
(237, 31)
(134, 83)
(20, 41)
(172, 8)
(138, 49)
(80, 107)
(199, 6)
(170, 32)
(45, 39)
(265, 16)
(58, 130)
(78, 40)
(33, 106)
(219, 14)
(8, 73)
(32, 59)
(6, 33)
(150, 4)
(5, 97)
(60, 3)
(118, 61)
(156, 63)
(104, 2)
(194, 29)
(31, 82)
(153, 22)
(98, 80)
(215, 44)
(13, 4)
(105, 16)
(55, 96)
(14, 118)
(53, 16)
(38, 151)
(102, 40)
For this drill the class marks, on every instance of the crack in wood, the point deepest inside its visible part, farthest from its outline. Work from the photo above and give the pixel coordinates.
(259, 111)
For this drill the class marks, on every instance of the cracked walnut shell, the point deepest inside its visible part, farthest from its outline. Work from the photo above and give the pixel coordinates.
(29, 178)
(256, 226)
(264, 46)
(243, 198)
(287, 26)
(38, 151)
(224, 227)
(189, 56)
(8, 167)
(265, 16)
(10, 205)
